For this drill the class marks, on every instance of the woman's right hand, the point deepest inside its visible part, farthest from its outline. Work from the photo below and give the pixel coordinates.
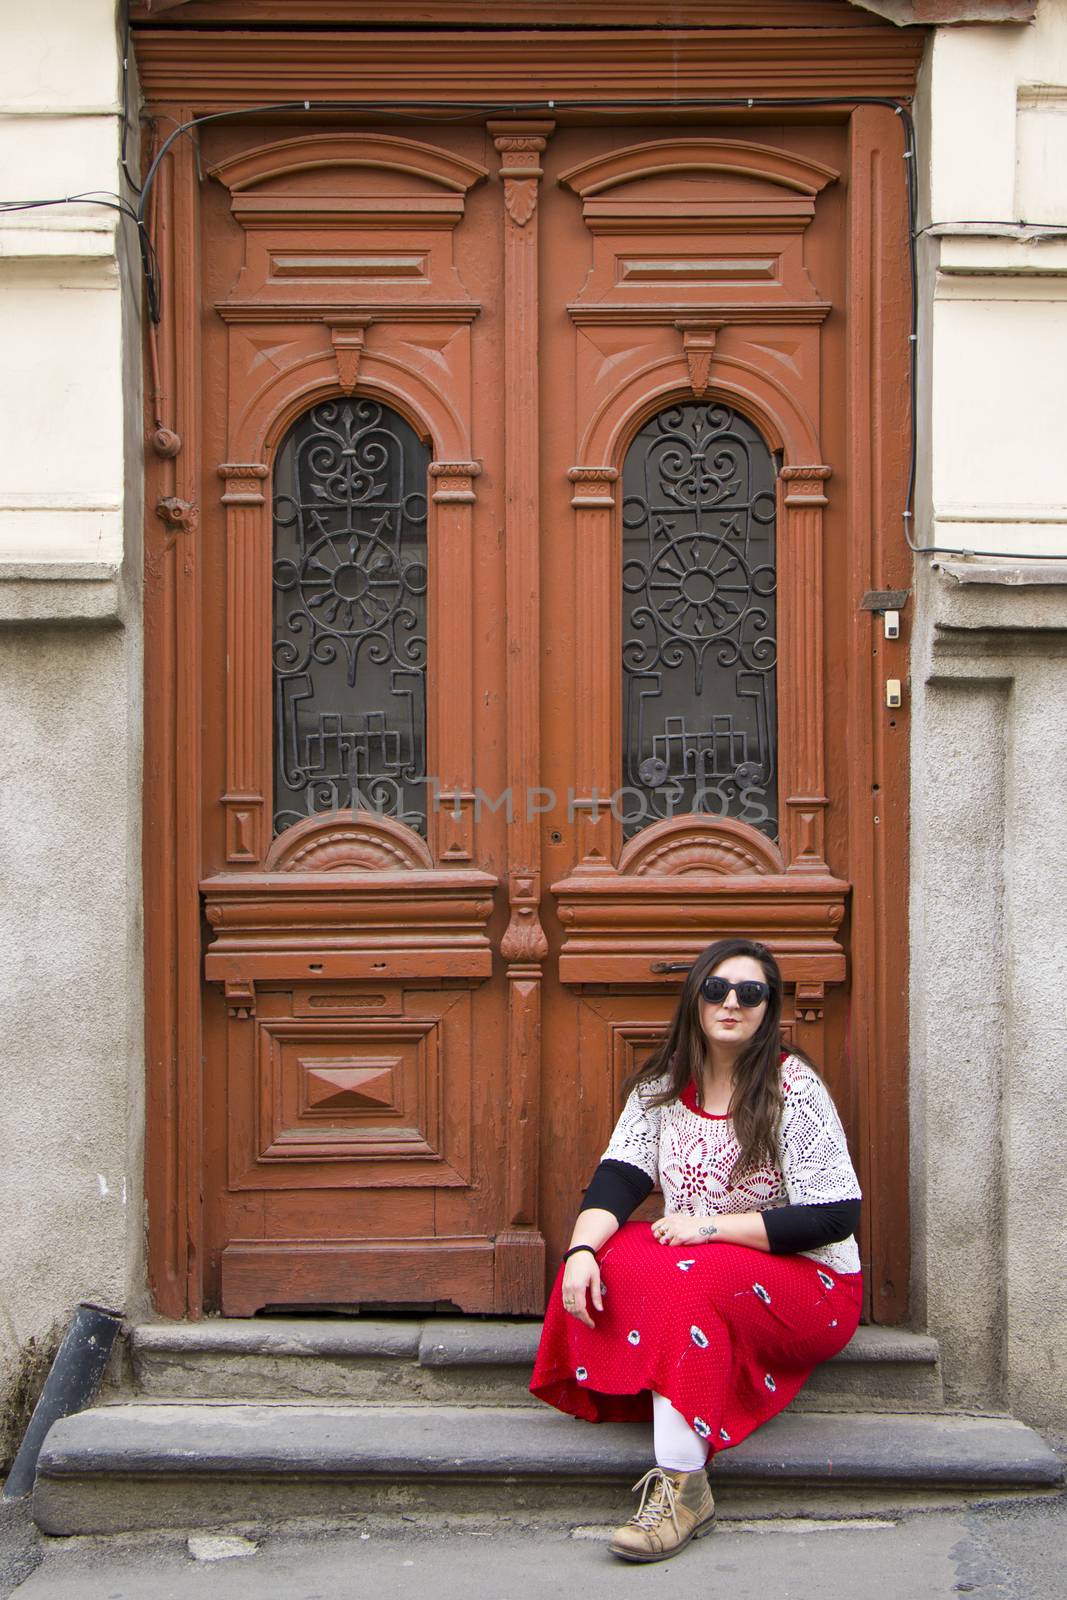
(581, 1282)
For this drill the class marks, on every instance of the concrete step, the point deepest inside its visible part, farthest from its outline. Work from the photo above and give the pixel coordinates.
(455, 1361)
(172, 1464)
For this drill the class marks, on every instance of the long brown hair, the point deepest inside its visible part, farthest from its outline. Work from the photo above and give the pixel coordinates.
(756, 1101)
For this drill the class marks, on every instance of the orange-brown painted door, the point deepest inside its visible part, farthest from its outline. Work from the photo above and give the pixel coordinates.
(724, 347)
(540, 503)
(356, 1083)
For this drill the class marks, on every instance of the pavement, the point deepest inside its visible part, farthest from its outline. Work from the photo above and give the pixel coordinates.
(1010, 1550)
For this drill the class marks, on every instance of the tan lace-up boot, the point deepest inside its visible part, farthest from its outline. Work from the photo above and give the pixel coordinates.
(675, 1507)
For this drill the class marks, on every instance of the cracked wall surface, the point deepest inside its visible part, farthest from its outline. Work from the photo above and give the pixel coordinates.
(71, 1066)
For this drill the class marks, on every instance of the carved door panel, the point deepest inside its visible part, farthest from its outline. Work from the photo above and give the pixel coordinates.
(729, 767)
(538, 504)
(356, 1094)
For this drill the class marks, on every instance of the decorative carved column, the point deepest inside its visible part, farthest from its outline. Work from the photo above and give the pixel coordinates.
(800, 678)
(520, 1253)
(452, 727)
(593, 500)
(248, 677)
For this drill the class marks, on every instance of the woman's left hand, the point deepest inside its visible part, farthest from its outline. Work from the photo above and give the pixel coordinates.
(675, 1228)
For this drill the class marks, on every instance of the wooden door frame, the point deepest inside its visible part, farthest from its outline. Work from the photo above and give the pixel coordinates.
(233, 70)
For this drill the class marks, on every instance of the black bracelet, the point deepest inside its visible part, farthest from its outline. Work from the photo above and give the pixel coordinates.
(575, 1248)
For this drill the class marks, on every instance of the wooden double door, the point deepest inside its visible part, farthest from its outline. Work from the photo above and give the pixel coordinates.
(543, 472)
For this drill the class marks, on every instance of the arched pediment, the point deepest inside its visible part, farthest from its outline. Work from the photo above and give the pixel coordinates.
(770, 405)
(668, 157)
(284, 158)
(693, 844)
(348, 841)
(390, 376)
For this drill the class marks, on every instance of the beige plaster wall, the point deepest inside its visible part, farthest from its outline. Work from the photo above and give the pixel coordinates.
(988, 685)
(989, 732)
(71, 1062)
(996, 157)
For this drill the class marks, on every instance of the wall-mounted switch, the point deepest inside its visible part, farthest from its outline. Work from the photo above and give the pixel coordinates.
(892, 693)
(892, 624)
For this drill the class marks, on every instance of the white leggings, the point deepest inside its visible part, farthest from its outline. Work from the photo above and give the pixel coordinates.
(678, 1448)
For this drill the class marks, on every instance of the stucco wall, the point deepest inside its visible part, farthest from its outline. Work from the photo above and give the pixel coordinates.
(71, 1065)
(989, 736)
(997, 154)
(988, 686)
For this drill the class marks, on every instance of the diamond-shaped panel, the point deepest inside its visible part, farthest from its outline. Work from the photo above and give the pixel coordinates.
(345, 1085)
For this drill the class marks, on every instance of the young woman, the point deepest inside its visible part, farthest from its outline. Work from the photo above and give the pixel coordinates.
(710, 1319)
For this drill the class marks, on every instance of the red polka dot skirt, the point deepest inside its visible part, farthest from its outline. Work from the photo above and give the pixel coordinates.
(728, 1334)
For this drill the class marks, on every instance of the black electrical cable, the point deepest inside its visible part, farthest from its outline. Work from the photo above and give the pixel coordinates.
(127, 174)
(152, 274)
(460, 112)
(747, 102)
(500, 108)
(92, 197)
(909, 503)
(100, 197)
(1003, 230)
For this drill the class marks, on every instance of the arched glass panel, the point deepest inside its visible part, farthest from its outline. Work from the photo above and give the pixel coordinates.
(698, 577)
(350, 614)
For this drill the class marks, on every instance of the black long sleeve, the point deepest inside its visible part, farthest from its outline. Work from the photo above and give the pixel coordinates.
(792, 1229)
(617, 1187)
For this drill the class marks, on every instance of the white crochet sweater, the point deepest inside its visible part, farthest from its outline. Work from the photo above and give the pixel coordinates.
(690, 1156)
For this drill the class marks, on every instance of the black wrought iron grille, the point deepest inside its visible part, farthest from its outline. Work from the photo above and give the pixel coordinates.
(350, 566)
(699, 652)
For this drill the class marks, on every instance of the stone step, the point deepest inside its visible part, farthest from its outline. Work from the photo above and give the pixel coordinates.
(145, 1465)
(455, 1361)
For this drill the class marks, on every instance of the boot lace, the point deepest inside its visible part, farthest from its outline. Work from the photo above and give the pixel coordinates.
(658, 1500)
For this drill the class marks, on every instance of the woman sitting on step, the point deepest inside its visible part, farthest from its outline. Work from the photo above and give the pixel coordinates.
(710, 1319)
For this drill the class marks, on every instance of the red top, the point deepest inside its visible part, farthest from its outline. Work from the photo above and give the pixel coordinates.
(688, 1098)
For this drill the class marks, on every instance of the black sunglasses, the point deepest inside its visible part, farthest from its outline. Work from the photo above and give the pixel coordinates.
(748, 992)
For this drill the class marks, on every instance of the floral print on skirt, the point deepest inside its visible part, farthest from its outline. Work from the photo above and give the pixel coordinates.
(727, 1333)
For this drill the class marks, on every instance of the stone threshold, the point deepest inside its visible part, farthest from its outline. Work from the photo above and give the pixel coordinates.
(173, 1464)
(432, 1342)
